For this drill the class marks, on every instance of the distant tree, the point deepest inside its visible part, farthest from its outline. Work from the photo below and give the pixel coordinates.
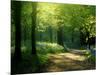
(63, 18)
(60, 32)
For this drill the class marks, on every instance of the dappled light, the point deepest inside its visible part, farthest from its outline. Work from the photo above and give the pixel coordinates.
(52, 37)
(68, 61)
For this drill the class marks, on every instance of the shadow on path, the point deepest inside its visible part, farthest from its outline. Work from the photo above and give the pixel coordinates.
(67, 62)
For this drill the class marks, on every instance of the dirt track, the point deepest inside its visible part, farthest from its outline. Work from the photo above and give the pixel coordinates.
(68, 62)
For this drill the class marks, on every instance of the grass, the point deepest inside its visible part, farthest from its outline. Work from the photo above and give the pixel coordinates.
(34, 63)
(91, 58)
(45, 48)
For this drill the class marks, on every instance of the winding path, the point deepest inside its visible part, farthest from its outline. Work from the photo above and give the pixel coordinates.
(73, 60)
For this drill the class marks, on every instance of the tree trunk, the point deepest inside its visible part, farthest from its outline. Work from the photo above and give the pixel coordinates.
(51, 34)
(36, 60)
(72, 36)
(40, 36)
(34, 6)
(17, 19)
(60, 36)
(88, 42)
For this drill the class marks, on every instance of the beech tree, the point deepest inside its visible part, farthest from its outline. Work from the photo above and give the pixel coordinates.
(34, 12)
(17, 21)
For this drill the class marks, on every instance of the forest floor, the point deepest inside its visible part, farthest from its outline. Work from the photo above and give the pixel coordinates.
(70, 61)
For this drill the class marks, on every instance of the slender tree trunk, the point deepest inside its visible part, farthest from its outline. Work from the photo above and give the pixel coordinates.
(51, 34)
(88, 42)
(25, 28)
(40, 36)
(72, 36)
(25, 34)
(34, 6)
(60, 36)
(17, 19)
(36, 60)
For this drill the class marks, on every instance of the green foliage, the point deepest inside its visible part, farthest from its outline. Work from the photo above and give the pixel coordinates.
(43, 59)
(52, 16)
(91, 58)
(71, 18)
(82, 48)
(44, 48)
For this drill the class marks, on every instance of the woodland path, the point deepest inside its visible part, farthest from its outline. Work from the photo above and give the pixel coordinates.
(72, 60)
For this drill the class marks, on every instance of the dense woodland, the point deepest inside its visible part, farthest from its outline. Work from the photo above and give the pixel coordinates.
(39, 29)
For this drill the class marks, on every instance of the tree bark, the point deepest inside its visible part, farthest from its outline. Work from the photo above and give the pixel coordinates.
(17, 19)
(72, 36)
(34, 6)
(60, 36)
(51, 34)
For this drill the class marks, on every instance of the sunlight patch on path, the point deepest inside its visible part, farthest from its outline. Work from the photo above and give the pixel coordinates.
(67, 62)
(68, 55)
